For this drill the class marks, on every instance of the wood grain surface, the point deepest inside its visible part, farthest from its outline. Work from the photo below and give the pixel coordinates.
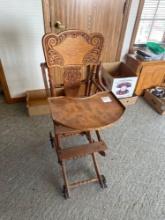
(82, 150)
(72, 47)
(68, 56)
(150, 73)
(89, 113)
(106, 17)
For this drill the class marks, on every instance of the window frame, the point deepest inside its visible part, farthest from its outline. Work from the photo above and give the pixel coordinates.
(134, 46)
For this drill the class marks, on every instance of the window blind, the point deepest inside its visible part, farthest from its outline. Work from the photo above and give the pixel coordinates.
(152, 22)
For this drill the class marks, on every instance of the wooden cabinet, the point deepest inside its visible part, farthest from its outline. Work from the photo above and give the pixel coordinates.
(150, 73)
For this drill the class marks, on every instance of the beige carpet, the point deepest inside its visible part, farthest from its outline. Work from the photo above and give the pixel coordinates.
(30, 181)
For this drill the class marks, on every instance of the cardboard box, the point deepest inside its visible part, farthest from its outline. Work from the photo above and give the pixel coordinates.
(118, 78)
(157, 103)
(129, 101)
(37, 103)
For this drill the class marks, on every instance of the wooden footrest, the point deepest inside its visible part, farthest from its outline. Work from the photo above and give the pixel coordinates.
(82, 150)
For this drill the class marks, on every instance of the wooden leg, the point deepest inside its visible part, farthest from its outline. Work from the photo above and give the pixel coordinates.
(99, 139)
(89, 137)
(61, 162)
(101, 178)
(57, 146)
(66, 185)
(98, 135)
(96, 168)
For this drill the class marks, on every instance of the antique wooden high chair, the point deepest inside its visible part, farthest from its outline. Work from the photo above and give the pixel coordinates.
(72, 62)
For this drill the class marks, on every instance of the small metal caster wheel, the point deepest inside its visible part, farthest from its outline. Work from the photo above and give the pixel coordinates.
(51, 139)
(103, 182)
(65, 192)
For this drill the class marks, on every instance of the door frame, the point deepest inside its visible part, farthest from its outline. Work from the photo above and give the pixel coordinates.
(5, 88)
(132, 48)
(126, 12)
(4, 85)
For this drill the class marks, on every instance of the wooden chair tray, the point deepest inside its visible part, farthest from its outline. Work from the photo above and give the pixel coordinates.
(89, 113)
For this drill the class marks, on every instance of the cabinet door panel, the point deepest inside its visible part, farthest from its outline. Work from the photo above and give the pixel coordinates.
(152, 75)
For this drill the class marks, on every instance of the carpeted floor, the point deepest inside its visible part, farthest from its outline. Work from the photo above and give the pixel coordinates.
(30, 181)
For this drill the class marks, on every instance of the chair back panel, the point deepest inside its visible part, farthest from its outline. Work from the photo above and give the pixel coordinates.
(59, 78)
(67, 55)
(68, 77)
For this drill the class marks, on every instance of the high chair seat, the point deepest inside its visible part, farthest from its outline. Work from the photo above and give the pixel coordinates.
(72, 71)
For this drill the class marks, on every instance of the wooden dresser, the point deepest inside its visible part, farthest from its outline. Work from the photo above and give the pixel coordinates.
(150, 73)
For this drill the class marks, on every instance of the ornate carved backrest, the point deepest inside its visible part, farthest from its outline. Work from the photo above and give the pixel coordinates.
(67, 55)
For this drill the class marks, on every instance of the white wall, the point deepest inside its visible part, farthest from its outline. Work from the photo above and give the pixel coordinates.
(21, 30)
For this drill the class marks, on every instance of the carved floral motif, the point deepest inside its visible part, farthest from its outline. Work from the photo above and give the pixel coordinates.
(72, 75)
(53, 57)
